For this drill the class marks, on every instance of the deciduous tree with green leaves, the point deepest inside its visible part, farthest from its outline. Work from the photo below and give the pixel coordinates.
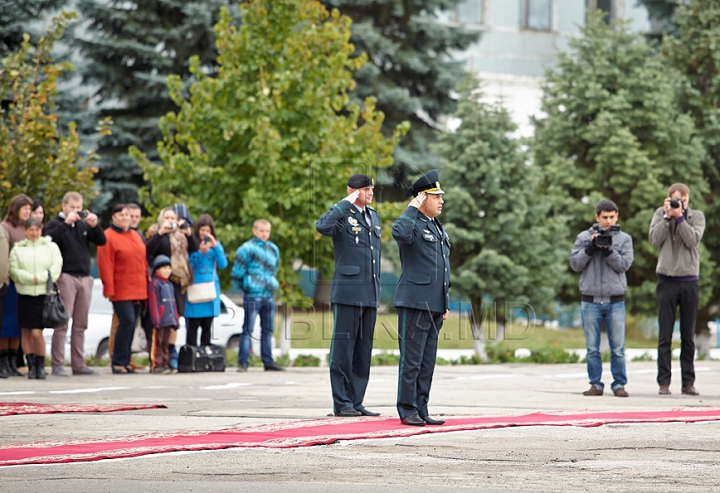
(273, 135)
(35, 158)
(614, 130)
(503, 238)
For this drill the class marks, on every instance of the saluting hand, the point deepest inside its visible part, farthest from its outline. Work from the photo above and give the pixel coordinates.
(353, 196)
(418, 201)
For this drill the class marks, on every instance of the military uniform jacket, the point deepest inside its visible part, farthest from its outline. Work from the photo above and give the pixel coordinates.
(425, 257)
(357, 254)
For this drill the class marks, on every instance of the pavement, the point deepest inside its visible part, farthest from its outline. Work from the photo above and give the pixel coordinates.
(640, 458)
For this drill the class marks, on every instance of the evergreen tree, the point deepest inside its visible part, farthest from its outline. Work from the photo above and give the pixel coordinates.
(696, 54)
(504, 241)
(614, 130)
(16, 17)
(410, 70)
(273, 135)
(132, 46)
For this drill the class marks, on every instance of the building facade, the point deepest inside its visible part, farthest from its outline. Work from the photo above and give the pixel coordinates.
(520, 39)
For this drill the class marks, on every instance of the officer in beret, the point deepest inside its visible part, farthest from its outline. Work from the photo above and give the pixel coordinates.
(421, 298)
(354, 227)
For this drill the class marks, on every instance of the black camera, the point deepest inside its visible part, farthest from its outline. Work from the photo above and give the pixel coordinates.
(206, 239)
(184, 225)
(82, 214)
(603, 236)
(675, 203)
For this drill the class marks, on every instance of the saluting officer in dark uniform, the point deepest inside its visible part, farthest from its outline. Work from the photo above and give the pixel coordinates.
(355, 230)
(421, 297)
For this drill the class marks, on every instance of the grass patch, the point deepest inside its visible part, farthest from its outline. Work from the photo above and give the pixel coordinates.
(314, 330)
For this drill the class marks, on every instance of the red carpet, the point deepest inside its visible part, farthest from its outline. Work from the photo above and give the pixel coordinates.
(9, 408)
(316, 432)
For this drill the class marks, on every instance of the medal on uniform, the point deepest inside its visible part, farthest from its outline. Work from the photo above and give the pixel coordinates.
(353, 221)
(357, 240)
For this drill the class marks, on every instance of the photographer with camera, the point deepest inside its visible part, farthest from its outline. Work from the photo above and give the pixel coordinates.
(603, 254)
(205, 263)
(173, 238)
(676, 231)
(73, 230)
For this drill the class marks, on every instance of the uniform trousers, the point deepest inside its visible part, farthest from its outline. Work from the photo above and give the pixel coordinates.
(418, 332)
(350, 354)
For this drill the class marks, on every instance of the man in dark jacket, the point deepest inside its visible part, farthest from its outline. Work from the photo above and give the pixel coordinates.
(422, 296)
(603, 254)
(355, 294)
(73, 230)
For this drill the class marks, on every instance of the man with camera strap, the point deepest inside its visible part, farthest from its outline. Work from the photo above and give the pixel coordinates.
(603, 254)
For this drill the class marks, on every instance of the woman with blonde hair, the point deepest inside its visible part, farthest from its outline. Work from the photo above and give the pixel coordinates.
(172, 236)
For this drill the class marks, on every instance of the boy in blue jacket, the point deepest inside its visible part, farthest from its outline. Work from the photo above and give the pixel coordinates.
(163, 313)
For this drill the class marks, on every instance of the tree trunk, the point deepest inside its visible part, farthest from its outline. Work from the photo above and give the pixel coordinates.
(477, 316)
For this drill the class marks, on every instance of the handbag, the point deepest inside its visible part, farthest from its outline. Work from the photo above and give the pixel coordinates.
(201, 292)
(54, 312)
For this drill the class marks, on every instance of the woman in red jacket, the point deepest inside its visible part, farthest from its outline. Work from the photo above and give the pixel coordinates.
(124, 272)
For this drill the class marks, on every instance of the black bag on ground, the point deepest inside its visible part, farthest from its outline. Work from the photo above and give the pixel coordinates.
(201, 358)
(54, 312)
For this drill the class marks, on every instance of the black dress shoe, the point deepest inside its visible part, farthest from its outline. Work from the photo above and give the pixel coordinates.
(348, 413)
(432, 421)
(365, 412)
(413, 420)
(274, 367)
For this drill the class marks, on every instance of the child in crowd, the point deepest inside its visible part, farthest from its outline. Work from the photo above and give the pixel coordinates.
(163, 313)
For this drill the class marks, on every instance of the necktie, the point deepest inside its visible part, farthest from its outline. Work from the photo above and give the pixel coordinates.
(366, 215)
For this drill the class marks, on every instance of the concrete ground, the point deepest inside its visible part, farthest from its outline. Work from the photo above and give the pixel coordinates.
(652, 457)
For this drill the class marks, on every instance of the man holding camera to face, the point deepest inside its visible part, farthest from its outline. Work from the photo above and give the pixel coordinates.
(73, 230)
(676, 230)
(603, 254)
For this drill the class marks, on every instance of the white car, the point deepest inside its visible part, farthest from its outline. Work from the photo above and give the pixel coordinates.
(225, 331)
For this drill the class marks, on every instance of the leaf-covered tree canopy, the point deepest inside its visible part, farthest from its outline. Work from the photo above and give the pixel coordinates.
(274, 135)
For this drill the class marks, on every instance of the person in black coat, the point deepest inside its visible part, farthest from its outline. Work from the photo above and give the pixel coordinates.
(421, 297)
(355, 294)
(73, 229)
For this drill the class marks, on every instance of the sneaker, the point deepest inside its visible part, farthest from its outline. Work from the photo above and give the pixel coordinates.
(274, 367)
(86, 371)
(621, 392)
(593, 391)
(242, 367)
(59, 372)
(172, 370)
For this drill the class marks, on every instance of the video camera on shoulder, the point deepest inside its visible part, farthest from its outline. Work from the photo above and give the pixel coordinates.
(604, 236)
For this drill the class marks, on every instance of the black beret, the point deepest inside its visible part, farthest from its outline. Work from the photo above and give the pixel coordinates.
(359, 181)
(428, 183)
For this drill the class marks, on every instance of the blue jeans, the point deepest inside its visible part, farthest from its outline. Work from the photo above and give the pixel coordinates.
(613, 317)
(265, 307)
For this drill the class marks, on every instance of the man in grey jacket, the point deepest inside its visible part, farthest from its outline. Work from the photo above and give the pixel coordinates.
(676, 231)
(603, 254)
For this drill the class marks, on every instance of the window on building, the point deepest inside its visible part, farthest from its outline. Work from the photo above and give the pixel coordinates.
(607, 7)
(469, 12)
(538, 14)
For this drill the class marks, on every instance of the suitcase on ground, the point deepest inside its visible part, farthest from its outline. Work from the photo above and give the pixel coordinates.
(201, 358)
